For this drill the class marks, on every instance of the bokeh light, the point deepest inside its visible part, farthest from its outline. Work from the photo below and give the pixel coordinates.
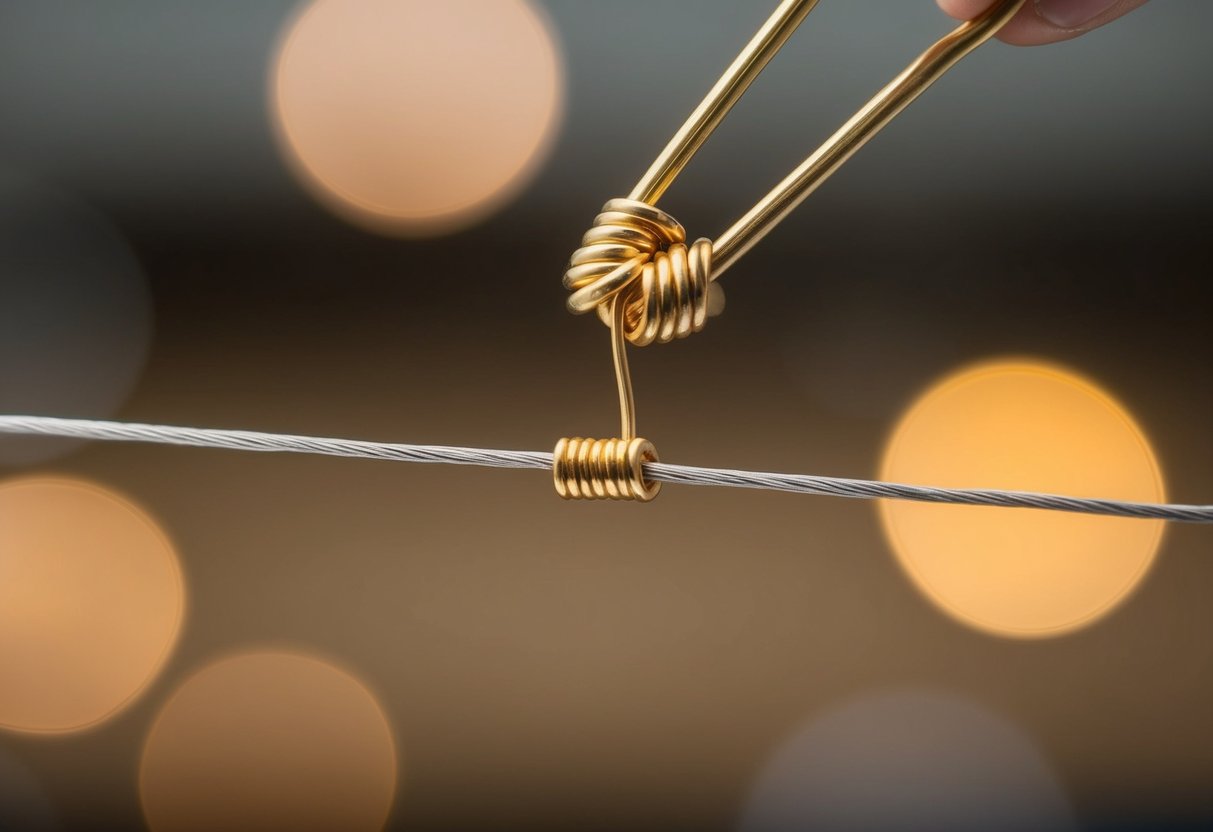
(1021, 425)
(91, 602)
(76, 314)
(269, 740)
(415, 118)
(908, 760)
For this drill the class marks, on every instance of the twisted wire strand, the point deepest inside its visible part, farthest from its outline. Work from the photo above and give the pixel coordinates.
(241, 440)
(639, 253)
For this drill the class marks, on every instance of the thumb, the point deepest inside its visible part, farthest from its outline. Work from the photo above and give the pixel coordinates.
(1047, 21)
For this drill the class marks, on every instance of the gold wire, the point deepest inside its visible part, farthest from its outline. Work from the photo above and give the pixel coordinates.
(635, 269)
(623, 376)
(855, 133)
(603, 469)
(637, 254)
(720, 99)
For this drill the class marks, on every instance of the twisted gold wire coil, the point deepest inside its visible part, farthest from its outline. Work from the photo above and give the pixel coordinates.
(638, 253)
(636, 270)
(603, 469)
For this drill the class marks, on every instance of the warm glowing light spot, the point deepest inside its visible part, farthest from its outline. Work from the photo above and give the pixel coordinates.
(91, 601)
(269, 741)
(1021, 426)
(414, 117)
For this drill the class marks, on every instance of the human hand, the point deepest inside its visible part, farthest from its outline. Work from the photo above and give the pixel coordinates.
(1047, 21)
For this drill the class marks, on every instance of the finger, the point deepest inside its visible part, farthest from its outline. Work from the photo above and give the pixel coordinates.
(1046, 21)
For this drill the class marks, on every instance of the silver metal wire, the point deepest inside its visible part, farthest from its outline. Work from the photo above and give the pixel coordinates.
(243, 440)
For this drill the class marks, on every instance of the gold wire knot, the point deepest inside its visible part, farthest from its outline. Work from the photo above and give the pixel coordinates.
(635, 269)
(638, 252)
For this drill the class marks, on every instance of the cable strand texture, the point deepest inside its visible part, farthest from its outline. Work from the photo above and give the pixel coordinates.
(242, 440)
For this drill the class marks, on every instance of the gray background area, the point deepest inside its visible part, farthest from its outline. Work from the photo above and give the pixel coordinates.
(159, 106)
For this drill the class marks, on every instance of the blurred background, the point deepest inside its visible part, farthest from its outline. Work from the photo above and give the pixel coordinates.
(350, 219)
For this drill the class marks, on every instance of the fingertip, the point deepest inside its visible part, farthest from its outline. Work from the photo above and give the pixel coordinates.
(1024, 29)
(963, 9)
(1037, 23)
(1027, 29)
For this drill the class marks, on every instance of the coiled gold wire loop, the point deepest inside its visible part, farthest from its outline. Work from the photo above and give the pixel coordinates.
(603, 469)
(636, 270)
(634, 266)
(639, 253)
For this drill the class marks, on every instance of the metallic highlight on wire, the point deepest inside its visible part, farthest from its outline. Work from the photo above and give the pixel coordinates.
(638, 254)
(604, 469)
(654, 472)
(634, 266)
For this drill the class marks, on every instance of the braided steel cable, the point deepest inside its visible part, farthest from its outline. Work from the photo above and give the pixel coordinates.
(243, 440)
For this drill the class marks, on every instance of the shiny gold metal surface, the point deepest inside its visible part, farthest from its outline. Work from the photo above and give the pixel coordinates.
(637, 254)
(603, 469)
(720, 99)
(635, 269)
(866, 123)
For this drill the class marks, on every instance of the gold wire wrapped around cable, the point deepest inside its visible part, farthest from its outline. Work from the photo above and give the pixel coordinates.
(603, 469)
(635, 269)
(639, 253)
(647, 285)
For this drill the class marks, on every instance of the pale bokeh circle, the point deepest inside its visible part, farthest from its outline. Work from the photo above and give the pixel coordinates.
(75, 313)
(1021, 425)
(908, 760)
(91, 603)
(415, 117)
(269, 740)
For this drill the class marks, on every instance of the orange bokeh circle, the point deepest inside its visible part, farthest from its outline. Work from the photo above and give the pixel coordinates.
(415, 118)
(1031, 426)
(269, 740)
(91, 603)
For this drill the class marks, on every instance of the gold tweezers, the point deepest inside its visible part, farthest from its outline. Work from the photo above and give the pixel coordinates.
(635, 269)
